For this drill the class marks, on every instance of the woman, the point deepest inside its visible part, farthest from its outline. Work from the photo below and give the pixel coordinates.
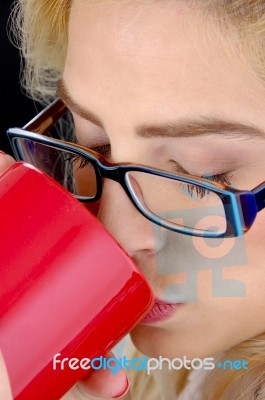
(176, 86)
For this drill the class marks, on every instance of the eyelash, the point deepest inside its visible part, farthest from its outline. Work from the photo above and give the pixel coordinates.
(223, 178)
(104, 150)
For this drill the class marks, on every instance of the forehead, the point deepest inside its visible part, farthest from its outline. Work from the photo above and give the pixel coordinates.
(154, 51)
(127, 23)
(141, 36)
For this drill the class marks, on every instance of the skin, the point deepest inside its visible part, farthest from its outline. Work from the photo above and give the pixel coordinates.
(5, 391)
(134, 64)
(131, 65)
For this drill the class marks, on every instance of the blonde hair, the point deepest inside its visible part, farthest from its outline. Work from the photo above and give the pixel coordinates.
(40, 29)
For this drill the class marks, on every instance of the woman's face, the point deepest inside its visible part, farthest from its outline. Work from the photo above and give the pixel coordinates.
(158, 64)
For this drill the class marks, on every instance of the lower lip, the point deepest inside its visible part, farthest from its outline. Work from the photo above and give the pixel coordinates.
(160, 311)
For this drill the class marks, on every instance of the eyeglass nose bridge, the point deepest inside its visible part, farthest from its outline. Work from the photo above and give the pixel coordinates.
(115, 173)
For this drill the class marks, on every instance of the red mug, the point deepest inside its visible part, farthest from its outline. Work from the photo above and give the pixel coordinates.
(66, 286)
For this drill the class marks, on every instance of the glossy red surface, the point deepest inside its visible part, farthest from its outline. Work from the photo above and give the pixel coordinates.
(66, 286)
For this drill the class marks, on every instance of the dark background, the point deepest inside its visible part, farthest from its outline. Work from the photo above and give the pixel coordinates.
(15, 108)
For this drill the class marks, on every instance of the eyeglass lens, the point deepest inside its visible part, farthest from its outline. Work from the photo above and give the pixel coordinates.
(175, 202)
(74, 172)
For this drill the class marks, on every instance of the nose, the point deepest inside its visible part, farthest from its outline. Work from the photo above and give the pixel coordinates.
(129, 227)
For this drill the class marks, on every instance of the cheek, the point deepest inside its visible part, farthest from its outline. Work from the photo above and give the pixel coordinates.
(230, 304)
(238, 260)
(242, 281)
(251, 254)
(254, 249)
(255, 238)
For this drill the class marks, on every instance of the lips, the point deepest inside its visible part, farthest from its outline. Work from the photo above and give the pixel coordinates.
(160, 311)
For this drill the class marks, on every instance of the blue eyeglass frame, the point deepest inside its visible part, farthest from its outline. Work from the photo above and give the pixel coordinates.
(240, 206)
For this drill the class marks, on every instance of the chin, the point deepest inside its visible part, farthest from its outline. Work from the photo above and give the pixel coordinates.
(154, 341)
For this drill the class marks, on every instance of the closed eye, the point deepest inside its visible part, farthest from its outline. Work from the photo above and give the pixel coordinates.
(201, 192)
(104, 150)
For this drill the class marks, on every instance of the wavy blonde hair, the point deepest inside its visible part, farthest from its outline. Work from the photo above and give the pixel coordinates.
(40, 31)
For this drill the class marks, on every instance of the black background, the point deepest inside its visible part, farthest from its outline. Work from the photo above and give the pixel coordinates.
(15, 108)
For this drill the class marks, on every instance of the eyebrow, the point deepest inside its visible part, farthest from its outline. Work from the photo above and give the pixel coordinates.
(63, 93)
(183, 127)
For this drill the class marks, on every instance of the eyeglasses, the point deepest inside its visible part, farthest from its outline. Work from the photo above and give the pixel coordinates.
(178, 202)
